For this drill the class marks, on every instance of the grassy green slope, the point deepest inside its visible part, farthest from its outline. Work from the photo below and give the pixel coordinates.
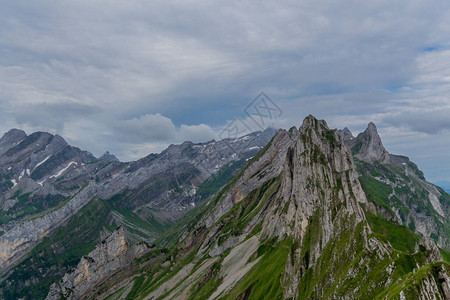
(408, 196)
(57, 253)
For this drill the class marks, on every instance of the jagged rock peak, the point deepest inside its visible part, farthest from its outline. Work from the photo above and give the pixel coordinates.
(109, 157)
(14, 133)
(311, 121)
(316, 165)
(59, 140)
(368, 146)
(11, 138)
(346, 134)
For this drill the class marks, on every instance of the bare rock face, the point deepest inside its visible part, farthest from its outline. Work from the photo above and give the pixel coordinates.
(346, 134)
(405, 185)
(109, 157)
(319, 182)
(318, 173)
(433, 252)
(10, 139)
(108, 257)
(369, 146)
(266, 167)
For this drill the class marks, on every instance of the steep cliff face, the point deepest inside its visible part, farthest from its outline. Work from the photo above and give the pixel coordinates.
(397, 189)
(293, 224)
(108, 257)
(368, 146)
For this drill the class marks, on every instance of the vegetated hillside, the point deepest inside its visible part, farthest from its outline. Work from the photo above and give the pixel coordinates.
(397, 189)
(57, 201)
(294, 223)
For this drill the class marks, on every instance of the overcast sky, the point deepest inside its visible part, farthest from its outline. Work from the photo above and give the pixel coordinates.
(133, 76)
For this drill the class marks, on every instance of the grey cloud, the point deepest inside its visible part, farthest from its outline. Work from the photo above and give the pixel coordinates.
(53, 116)
(430, 122)
(202, 62)
(146, 128)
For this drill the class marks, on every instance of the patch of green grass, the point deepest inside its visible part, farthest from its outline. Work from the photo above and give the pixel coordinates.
(58, 206)
(206, 286)
(4, 218)
(236, 220)
(180, 261)
(445, 255)
(218, 180)
(376, 191)
(136, 286)
(412, 283)
(400, 237)
(263, 281)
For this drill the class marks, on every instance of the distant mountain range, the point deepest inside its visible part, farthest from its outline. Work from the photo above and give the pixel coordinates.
(305, 213)
(53, 190)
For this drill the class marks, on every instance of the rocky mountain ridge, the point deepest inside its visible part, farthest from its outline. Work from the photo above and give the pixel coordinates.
(294, 223)
(398, 189)
(46, 182)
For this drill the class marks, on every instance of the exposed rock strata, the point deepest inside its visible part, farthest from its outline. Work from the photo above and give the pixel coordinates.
(108, 257)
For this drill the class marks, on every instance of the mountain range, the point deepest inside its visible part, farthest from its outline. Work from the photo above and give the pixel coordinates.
(305, 213)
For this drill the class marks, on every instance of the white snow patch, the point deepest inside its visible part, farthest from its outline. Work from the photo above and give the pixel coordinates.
(254, 147)
(245, 138)
(9, 168)
(45, 159)
(63, 170)
(21, 174)
(41, 182)
(193, 204)
(13, 182)
(28, 172)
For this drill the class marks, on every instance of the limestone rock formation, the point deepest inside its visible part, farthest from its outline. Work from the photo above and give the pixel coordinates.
(368, 145)
(398, 190)
(108, 257)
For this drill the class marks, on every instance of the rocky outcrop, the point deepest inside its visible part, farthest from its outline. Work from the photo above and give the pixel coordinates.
(368, 146)
(108, 257)
(268, 165)
(109, 157)
(10, 139)
(346, 134)
(433, 253)
(318, 173)
(408, 198)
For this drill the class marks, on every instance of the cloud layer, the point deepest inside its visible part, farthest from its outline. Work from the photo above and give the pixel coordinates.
(134, 76)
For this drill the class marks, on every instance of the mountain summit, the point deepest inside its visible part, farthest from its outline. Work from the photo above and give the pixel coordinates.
(314, 213)
(368, 145)
(296, 222)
